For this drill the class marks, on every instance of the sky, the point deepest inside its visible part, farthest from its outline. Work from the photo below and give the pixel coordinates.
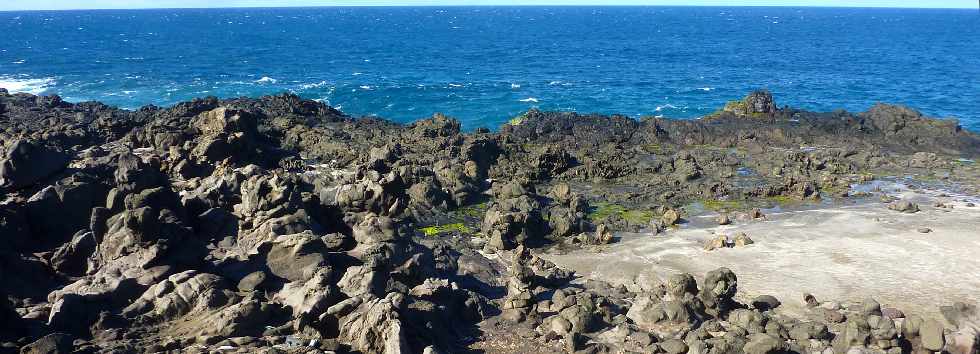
(7, 5)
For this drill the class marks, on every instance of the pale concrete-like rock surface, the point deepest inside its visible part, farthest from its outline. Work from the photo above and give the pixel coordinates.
(845, 253)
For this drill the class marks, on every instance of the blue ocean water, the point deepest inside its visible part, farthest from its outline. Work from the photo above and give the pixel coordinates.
(485, 65)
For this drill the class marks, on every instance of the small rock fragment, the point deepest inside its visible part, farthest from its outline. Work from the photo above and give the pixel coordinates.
(904, 206)
(810, 301)
(718, 242)
(670, 217)
(741, 240)
(765, 303)
(724, 219)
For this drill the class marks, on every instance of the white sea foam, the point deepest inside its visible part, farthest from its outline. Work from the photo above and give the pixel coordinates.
(365, 87)
(19, 61)
(706, 89)
(455, 85)
(530, 99)
(26, 84)
(666, 106)
(266, 80)
(313, 85)
(515, 86)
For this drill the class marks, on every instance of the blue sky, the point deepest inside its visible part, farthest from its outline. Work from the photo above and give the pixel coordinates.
(126, 4)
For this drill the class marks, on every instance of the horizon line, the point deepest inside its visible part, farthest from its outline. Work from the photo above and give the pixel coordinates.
(487, 5)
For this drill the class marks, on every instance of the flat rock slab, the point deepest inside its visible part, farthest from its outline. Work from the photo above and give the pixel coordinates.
(842, 253)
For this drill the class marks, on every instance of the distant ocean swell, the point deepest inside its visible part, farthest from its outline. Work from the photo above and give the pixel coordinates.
(485, 65)
(388, 96)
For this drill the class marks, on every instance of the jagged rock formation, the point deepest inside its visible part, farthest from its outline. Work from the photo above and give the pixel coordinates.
(281, 225)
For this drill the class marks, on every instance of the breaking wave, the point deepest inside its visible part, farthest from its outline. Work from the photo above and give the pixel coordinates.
(27, 85)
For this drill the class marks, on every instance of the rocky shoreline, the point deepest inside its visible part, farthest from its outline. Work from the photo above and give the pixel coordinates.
(279, 224)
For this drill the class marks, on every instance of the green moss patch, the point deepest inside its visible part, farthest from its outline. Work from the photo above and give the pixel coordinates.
(655, 149)
(518, 120)
(436, 230)
(601, 211)
(473, 211)
(637, 216)
(784, 200)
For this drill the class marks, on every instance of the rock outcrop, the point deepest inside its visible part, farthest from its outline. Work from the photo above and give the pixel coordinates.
(280, 224)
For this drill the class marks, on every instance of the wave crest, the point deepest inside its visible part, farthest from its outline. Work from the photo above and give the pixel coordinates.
(27, 85)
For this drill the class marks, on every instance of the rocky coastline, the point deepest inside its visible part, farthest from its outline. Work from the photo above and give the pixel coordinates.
(282, 225)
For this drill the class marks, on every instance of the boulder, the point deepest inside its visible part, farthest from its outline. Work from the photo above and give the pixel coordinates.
(428, 195)
(374, 230)
(720, 286)
(892, 313)
(251, 282)
(670, 316)
(904, 206)
(765, 303)
(810, 301)
(748, 320)
(27, 163)
(856, 333)
(562, 193)
(756, 104)
(870, 307)
(960, 315)
(723, 219)
(673, 346)
(565, 222)
(686, 169)
(55, 343)
(71, 258)
(670, 217)
(717, 242)
(933, 335)
(225, 134)
(512, 222)
(375, 327)
(376, 193)
(135, 174)
(761, 343)
(742, 240)
(964, 341)
(809, 330)
(601, 236)
(310, 297)
(911, 326)
(295, 257)
(681, 286)
(180, 294)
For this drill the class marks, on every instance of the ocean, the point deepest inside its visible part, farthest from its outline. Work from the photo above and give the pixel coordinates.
(484, 65)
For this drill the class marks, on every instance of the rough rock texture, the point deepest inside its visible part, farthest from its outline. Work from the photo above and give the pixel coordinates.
(279, 224)
(27, 163)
